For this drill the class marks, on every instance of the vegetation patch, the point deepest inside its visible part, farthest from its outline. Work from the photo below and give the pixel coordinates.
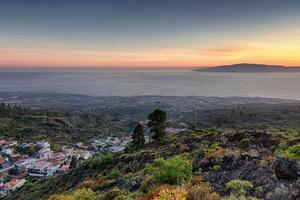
(104, 159)
(176, 170)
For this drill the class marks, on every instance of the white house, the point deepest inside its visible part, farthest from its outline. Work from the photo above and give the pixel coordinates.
(15, 183)
(7, 151)
(41, 168)
(116, 148)
(45, 153)
(25, 164)
(43, 144)
(113, 141)
(100, 143)
(85, 154)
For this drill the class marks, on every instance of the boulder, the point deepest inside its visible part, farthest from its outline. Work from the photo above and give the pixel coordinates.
(286, 168)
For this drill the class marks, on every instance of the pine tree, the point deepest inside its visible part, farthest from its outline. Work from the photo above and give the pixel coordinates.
(138, 138)
(73, 162)
(157, 124)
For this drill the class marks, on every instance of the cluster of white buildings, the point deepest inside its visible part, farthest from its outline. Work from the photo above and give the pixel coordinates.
(11, 185)
(111, 144)
(16, 163)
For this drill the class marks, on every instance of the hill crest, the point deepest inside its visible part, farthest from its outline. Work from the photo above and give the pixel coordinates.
(251, 68)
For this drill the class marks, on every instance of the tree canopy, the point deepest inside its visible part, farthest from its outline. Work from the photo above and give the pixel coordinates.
(157, 124)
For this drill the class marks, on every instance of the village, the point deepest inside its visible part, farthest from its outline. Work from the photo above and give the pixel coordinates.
(36, 159)
(20, 160)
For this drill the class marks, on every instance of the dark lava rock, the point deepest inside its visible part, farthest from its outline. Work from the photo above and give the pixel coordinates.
(295, 190)
(286, 168)
(264, 139)
(244, 169)
(235, 137)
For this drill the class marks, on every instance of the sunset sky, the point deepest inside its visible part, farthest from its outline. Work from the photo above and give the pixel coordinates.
(148, 33)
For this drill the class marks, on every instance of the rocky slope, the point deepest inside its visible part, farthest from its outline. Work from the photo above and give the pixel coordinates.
(256, 158)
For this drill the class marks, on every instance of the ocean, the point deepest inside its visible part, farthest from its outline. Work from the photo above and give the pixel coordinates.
(165, 82)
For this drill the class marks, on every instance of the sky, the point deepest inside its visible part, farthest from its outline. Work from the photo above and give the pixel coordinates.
(148, 33)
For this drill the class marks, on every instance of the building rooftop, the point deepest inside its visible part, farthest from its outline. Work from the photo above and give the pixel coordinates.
(40, 164)
(6, 166)
(3, 142)
(14, 182)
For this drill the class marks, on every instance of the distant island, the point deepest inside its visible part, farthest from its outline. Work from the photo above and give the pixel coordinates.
(250, 68)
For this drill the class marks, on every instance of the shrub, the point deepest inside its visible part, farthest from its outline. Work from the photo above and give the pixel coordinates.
(84, 194)
(169, 193)
(172, 171)
(239, 187)
(215, 152)
(293, 152)
(101, 160)
(93, 183)
(245, 143)
(115, 174)
(259, 191)
(216, 167)
(107, 183)
(282, 147)
(267, 160)
(147, 184)
(234, 197)
(219, 152)
(278, 194)
(196, 180)
(123, 197)
(60, 197)
(199, 154)
(113, 193)
(187, 192)
(80, 194)
(201, 192)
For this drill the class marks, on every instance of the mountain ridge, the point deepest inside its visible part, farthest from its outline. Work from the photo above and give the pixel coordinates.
(251, 68)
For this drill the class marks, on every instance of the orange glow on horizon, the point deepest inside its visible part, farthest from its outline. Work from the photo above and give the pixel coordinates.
(282, 52)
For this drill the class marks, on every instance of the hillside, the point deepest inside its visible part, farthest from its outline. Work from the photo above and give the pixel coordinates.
(255, 147)
(254, 161)
(66, 125)
(60, 126)
(251, 68)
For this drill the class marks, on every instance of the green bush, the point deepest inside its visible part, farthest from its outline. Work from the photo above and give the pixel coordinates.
(282, 147)
(259, 190)
(216, 167)
(115, 174)
(113, 194)
(245, 143)
(278, 194)
(176, 170)
(101, 160)
(147, 185)
(123, 197)
(234, 197)
(239, 190)
(84, 194)
(79, 194)
(239, 187)
(293, 152)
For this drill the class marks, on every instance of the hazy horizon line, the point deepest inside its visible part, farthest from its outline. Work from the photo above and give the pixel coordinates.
(135, 67)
